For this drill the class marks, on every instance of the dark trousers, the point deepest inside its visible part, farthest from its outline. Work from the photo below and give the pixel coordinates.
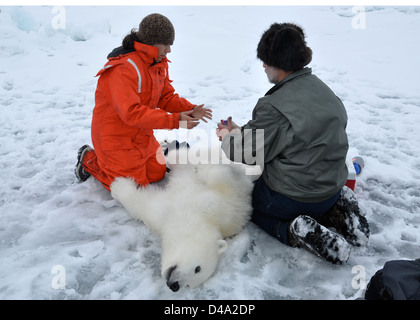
(273, 212)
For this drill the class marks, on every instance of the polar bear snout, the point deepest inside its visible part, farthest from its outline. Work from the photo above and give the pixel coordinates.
(173, 285)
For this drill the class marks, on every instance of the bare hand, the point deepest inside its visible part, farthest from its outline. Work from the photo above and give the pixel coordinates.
(186, 121)
(224, 129)
(200, 112)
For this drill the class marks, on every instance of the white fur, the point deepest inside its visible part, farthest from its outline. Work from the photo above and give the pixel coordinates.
(193, 211)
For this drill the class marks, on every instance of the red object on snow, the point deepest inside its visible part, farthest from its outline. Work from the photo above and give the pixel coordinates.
(351, 180)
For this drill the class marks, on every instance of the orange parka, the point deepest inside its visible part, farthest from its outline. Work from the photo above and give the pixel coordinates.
(134, 96)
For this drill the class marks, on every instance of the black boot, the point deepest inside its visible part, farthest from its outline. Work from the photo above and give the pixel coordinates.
(79, 171)
(305, 232)
(346, 218)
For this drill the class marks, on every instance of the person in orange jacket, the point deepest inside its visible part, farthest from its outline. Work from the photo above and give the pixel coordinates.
(133, 97)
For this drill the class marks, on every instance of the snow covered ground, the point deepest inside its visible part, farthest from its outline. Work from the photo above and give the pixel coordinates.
(60, 239)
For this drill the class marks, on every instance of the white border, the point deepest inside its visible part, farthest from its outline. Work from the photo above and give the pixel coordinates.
(211, 2)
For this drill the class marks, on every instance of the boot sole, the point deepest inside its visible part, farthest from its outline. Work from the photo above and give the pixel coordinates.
(319, 240)
(80, 173)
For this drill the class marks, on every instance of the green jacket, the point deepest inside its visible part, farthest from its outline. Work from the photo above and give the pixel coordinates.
(302, 142)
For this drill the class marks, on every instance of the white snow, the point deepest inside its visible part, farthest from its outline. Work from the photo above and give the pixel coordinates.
(51, 226)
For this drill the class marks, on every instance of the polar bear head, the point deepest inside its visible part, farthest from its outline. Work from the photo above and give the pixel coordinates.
(190, 262)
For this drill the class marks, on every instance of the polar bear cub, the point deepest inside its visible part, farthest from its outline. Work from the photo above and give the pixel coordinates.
(197, 207)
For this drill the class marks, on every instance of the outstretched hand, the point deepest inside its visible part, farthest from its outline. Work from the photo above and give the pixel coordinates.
(202, 113)
(186, 121)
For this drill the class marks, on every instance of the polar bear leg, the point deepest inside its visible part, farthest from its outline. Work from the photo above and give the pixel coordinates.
(140, 202)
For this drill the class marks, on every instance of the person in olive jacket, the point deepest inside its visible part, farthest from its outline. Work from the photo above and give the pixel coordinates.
(298, 136)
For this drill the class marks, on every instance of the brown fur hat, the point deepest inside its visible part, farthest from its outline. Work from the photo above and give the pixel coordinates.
(156, 29)
(283, 46)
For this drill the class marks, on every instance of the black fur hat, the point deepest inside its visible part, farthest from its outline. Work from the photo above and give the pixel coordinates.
(283, 46)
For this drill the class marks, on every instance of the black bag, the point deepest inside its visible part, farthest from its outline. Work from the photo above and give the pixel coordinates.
(398, 280)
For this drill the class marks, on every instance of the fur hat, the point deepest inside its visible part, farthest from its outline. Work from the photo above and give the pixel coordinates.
(283, 46)
(156, 29)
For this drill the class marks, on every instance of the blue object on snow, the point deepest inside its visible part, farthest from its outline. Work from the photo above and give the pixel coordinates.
(358, 163)
(357, 167)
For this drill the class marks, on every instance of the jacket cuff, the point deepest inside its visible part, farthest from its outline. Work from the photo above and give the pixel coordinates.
(175, 121)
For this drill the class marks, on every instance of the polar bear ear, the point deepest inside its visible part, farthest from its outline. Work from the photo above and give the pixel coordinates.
(222, 246)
